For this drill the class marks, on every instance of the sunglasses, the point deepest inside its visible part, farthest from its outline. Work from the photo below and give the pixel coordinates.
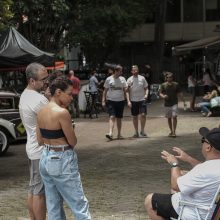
(203, 140)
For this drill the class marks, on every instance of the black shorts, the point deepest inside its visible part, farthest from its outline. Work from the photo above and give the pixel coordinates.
(162, 204)
(138, 108)
(115, 108)
(192, 91)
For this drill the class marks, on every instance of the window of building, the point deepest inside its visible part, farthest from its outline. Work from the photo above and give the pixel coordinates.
(212, 10)
(192, 10)
(173, 11)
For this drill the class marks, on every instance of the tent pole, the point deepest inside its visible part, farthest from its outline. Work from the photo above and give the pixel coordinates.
(204, 61)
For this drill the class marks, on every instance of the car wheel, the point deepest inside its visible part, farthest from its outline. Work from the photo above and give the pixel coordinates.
(4, 141)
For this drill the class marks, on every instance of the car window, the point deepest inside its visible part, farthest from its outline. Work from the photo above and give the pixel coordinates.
(6, 103)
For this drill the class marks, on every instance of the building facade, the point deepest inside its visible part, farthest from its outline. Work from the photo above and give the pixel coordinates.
(186, 20)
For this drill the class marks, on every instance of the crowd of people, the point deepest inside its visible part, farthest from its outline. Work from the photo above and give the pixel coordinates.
(51, 141)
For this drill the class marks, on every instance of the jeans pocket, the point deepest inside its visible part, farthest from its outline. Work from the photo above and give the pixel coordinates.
(54, 165)
(70, 164)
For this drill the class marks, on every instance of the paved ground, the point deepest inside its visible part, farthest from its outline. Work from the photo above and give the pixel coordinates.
(116, 175)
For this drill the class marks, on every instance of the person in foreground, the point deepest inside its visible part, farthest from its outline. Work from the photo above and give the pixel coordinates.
(58, 164)
(197, 186)
(31, 102)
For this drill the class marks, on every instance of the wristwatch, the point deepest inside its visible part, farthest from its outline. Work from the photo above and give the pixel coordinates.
(174, 164)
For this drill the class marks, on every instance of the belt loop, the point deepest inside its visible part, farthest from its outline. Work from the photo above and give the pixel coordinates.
(46, 147)
(63, 148)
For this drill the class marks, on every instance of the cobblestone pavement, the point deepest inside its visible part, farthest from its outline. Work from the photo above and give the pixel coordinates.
(116, 175)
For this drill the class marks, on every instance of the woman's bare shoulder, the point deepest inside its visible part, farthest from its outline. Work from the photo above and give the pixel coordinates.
(62, 112)
(43, 110)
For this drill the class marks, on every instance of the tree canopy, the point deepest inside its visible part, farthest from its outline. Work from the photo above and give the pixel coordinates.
(97, 26)
(42, 21)
(5, 13)
(101, 25)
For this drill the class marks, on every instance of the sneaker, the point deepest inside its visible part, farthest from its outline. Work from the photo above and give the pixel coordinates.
(110, 137)
(136, 135)
(142, 134)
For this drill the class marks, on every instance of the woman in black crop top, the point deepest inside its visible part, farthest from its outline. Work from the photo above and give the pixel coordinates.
(58, 164)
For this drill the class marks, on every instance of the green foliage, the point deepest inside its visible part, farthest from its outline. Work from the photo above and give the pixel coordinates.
(5, 13)
(97, 26)
(101, 25)
(46, 21)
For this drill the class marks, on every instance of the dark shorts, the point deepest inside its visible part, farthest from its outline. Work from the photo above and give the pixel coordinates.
(94, 96)
(162, 204)
(36, 186)
(138, 108)
(192, 91)
(115, 108)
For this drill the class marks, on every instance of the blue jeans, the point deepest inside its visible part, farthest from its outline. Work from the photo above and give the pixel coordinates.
(204, 106)
(60, 174)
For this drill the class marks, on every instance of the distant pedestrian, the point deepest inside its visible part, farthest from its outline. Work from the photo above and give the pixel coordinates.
(31, 102)
(192, 90)
(75, 93)
(115, 91)
(138, 93)
(148, 76)
(207, 81)
(169, 91)
(93, 88)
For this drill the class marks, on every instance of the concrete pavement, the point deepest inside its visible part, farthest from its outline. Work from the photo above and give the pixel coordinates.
(116, 175)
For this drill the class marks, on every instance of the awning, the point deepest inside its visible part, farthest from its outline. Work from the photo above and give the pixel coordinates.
(205, 43)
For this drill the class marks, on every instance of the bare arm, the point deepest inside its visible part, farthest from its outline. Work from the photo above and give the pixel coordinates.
(126, 91)
(146, 92)
(104, 96)
(67, 127)
(39, 137)
(175, 171)
(162, 95)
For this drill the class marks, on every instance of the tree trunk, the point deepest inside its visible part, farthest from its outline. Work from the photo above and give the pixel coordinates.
(159, 36)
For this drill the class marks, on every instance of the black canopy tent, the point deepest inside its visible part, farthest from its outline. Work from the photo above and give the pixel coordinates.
(17, 52)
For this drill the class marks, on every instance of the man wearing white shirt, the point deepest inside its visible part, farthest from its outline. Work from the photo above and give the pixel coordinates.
(116, 87)
(197, 186)
(31, 102)
(138, 93)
